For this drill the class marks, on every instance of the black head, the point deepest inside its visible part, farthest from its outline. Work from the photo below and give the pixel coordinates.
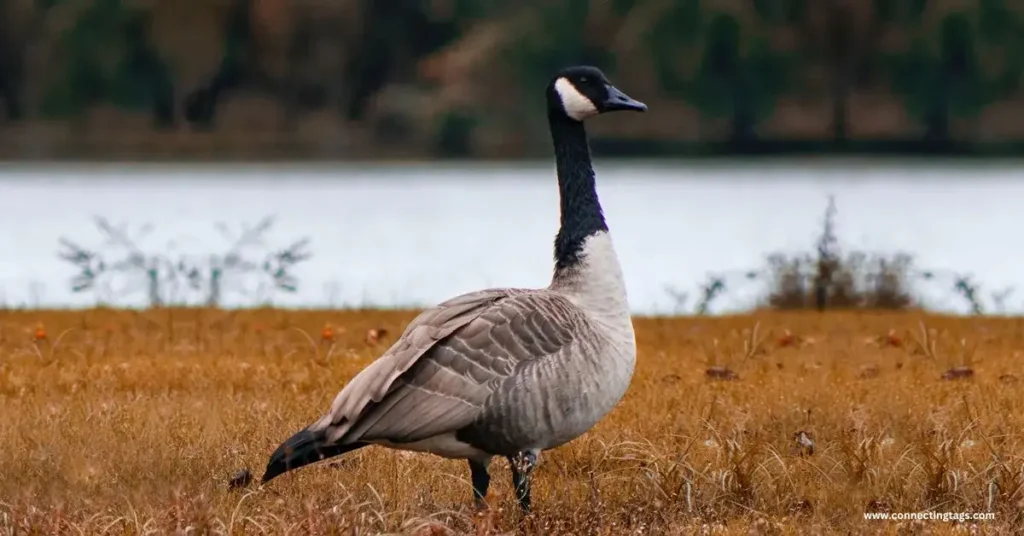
(583, 91)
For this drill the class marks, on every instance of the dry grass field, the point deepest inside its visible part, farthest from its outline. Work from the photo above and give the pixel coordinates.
(133, 422)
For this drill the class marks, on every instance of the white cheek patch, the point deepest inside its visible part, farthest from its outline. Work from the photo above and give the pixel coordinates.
(576, 105)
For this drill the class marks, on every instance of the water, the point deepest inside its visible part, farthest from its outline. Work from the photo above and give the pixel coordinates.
(416, 234)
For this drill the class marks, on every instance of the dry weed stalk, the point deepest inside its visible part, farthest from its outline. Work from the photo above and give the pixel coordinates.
(924, 341)
(752, 345)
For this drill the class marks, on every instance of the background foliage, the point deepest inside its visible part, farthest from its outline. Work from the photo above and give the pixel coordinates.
(458, 77)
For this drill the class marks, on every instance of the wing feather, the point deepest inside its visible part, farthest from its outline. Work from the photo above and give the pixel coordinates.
(374, 382)
(437, 377)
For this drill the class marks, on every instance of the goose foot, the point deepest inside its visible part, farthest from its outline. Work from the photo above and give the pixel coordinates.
(522, 465)
(481, 481)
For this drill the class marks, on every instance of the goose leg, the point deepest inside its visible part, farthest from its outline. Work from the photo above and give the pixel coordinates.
(481, 481)
(522, 465)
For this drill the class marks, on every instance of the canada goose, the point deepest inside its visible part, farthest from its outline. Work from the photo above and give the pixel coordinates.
(503, 372)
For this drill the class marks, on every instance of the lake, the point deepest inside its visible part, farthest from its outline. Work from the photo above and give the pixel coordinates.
(418, 233)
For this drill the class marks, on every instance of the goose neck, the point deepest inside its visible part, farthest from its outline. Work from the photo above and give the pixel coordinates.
(580, 210)
(586, 265)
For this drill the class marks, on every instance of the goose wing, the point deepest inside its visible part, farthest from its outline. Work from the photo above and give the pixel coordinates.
(438, 375)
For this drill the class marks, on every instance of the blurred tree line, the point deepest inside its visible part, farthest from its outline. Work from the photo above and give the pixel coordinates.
(464, 77)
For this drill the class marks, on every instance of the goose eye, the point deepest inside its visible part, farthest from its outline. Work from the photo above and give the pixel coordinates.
(583, 79)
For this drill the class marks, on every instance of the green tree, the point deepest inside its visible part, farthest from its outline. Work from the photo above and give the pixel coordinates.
(738, 74)
(969, 61)
(106, 57)
(671, 41)
(738, 78)
(553, 35)
(841, 38)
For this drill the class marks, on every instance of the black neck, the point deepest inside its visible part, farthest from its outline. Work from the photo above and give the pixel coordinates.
(580, 209)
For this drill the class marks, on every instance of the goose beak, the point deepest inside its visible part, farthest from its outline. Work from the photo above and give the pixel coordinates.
(618, 100)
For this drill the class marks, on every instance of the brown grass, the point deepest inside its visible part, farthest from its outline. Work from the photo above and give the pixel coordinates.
(126, 422)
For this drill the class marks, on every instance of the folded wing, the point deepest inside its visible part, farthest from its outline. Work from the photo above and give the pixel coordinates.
(439, 375)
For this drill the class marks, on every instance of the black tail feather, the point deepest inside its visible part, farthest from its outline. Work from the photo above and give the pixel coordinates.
(304, 448)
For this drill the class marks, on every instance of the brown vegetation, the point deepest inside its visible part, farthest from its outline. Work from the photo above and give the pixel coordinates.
(132, 422)
(830, 278)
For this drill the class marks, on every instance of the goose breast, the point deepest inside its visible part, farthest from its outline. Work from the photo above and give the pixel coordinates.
(547, 402)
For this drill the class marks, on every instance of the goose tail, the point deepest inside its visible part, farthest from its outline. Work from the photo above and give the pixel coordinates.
(305, 447)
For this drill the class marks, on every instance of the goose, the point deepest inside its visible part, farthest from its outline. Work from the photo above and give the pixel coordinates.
(507, 372)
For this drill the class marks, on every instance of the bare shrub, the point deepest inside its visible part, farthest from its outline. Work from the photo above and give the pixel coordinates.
(831, 279)
(859, 281)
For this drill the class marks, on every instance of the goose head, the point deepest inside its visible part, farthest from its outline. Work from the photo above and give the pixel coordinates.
(584, 91)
